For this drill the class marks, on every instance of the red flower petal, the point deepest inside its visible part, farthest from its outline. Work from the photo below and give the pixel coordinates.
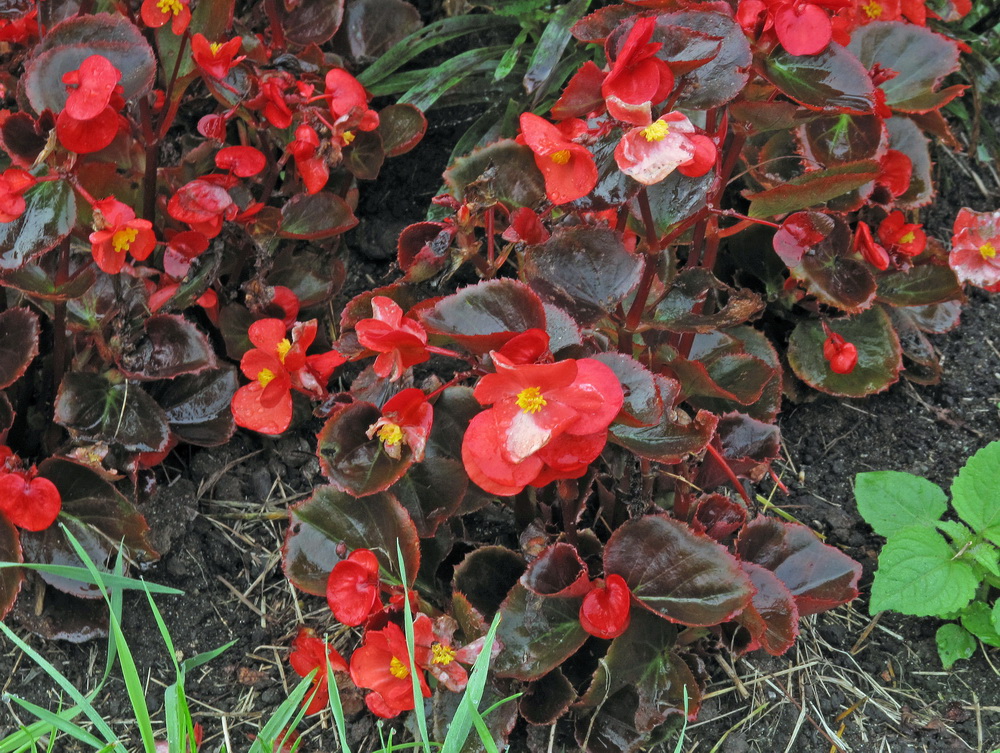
(803, 28)
(97, 78)
(352, 590)
(244, 161)
(33, 505)
(606, 611)
(250, 413)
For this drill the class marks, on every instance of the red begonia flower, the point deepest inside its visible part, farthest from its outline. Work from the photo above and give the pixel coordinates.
(20, 29)
(895, 172)
(974, 245)
(638, 80)
(582, 94)
(902, 237)
(310, 652)
(441, 657)
(243, 161)
(182, 249)
(29, 501)
(116, 231)
(606, 609)
(310, 373)
(349, 101)
(287, 304)
(213, 126)
(13, 183)
(92, 85)
(382, 664)
(872, 252)
(568, 168)
(548, 421)
(352, 589)
(88, 136)
(311, 165)
(156, 13)
(215, 59)
(650, 154)
(401, 342)
(204, 205)
(842, 355)
(274, 90)
(525, 227)
(803, 28)
(406, 420)
(265, 405)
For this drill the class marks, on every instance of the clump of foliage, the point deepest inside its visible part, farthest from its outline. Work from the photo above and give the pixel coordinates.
(933, 567)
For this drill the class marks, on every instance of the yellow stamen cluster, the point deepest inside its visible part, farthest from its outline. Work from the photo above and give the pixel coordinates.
(872, 9)
(173, 7)
(442, 654)
(561, 157)
(530, 400)
(215, 47)
(348, 137)
(908, 238)
(283, 347)
(987, 251)
(656, 131)
(124, 238)
(391, 434)
(398, 670)
(265, 377)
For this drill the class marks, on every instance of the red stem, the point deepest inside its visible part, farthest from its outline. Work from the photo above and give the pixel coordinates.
(730, 474)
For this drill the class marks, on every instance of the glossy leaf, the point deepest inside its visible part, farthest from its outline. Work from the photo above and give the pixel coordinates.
(402, 127)
(353, 462)
(586, 271)
(197, 406)
(483, 317)
(557, 571)
(905, 136)
(38, 280)
(19, 330)
(316, 216)
(310, 21)
(833, 79)
(49, 217)
(871, 333)
(674, 437)
(682, 576)
(538, 633)
(309, 272)
(10, 578)
(836, 139)
(432, 491)
(507, 171)
(170, 347)
(718, 516)
(319, 524)
(921, 57)
(812, 188)
(772, 618)
(644, 405)
(614, 187)
(819, 576)
(51, 547)
(372, 27)
(675, 199)
(365, 155)
(547, 699)
(69, 43)
(921, 285)
(487, 575)
(121, 413)
(696, 291)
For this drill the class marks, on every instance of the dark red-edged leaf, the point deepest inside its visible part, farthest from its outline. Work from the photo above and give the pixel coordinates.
(432, 491)
(643, 403)
(643, 662)
(65, 618)
(538, 633)
(812, 188)
(878, 347)
(817, 249)
(310, 21)
(48, 218)
(674, 199)
(505, 170)
(353, 462)
(6, 417)
(483, 317)
(312, 217)
(547, 699)
(558, 571)
(748, 445)
(938, 318)
(679, 574)
(905, 136)
(402, 127)
(470, 620)
(772, 618)
(365, 155)
(836, 139)
(586, 271)
(19, 332)
(597, 26)
(197, 405)
(693, 290)
(170, 347)
(319, 524)
(69, 43)
(718, 516)
(423, 249)
(11, 578)
(309, 272)
(819, 576)
(763, 116)
(724, 75)
(922, 285)
(487, 575)
(371, 27)
(720, 373)
(22, 139)
(833, 79)
(51, 547)
(921, 363)
(117, 413)
(921, 57)
(669, 441)
(234, 322)
(38, 280)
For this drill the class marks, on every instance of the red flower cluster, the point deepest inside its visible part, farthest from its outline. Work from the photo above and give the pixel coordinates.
(309, 159)
(277, 365)
(651, 153)
(974, 245)
(842, 355)
(310, 652)
(13, 183)
(567, 166)
(26, 499)
(401, 342)
(547, 421)
(116, 230)
(204, 205)
(90, 121)
(406, 420)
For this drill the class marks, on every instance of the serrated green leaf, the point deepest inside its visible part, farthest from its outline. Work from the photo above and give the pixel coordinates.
(890, 501)
(995, 616)
(918, 575)
(975, 494)
(953, 643)
(959, 534)
(977, 618)
(986, 556)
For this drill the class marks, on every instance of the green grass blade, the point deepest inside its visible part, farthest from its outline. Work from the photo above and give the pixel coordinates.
(65, 726)
(206, 656)
(451, 73)
(550, 47)
(83, 575)
(463, 722)
(285, 718)
(337, 709)
(418, 696)
(483, 731)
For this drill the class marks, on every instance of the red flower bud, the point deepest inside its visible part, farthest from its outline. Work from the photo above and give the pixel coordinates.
(606, 610)
(842, 355)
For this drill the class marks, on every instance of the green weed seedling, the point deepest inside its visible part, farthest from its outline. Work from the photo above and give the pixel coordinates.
(934, 567)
